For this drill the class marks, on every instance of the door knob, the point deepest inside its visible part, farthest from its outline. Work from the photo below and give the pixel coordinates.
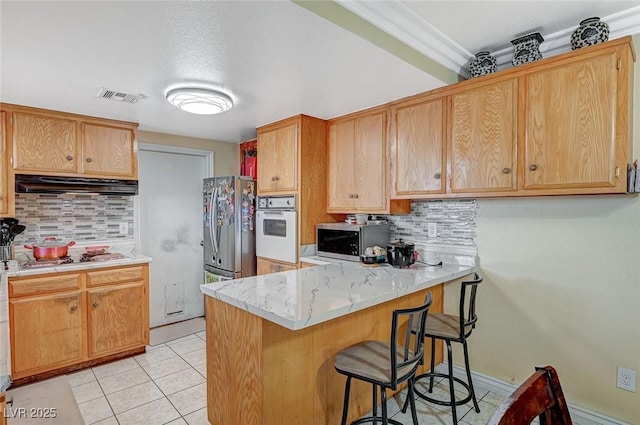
(355, 195)
(506, 170)
(73, 308)
(351, 195)
(89, 160)
(533, 167)
(69, 157)
(95, 304)
(436, 176)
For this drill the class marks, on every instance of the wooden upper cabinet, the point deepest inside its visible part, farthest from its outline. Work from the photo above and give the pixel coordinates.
(4, 165)
(56, 143)
(571, 123)
(43, 143)
(482, 147)
(341, 175)
(418, 147)
(108, 150)
(357, 163)
(278, 150)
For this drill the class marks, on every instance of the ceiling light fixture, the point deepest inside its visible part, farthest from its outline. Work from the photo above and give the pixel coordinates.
(199, 101)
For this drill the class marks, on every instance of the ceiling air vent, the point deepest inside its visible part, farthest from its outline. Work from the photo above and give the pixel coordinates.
(119, 96)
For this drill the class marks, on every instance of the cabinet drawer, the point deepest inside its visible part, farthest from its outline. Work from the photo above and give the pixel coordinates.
(44, 284)
(107, 277)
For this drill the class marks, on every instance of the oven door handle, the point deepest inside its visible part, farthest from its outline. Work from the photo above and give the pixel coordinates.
(280, 213)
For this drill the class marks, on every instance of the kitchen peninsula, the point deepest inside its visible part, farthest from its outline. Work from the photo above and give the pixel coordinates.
(271, 339)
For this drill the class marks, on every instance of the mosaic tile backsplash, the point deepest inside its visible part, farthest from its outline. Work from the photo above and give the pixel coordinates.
(76, 217)
(455, 219)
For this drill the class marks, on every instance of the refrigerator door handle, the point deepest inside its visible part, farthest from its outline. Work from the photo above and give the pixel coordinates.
(214, 222)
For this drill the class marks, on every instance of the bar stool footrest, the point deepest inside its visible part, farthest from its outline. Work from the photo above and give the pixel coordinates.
(375, 419)
(441, 402)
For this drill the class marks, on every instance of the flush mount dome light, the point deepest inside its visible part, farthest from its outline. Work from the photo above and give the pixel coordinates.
(199, 101)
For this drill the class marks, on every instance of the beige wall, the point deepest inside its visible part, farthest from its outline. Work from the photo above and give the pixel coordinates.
(562, 287)
(226, 155)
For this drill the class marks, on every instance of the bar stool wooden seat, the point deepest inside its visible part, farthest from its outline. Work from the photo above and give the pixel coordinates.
(386, 364)
(451, 328)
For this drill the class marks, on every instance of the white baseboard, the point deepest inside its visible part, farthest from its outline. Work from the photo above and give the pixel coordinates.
(579, 415)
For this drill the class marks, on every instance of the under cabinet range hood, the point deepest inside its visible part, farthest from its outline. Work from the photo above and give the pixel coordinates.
(56, 184)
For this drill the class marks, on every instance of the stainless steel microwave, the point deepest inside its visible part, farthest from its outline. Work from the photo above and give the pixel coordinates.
(348, 241)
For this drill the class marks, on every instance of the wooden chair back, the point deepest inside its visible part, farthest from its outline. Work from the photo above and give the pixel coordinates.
(539, 396)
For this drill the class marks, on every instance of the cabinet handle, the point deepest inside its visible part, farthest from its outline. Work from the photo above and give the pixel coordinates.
(69, 158)
(506, 170)
(351, 195)
(273, 179)
(95, 304)
(355, 195)
(89, 160)
(277, 178)
(533, 167)
(436, 176)
(73, 308)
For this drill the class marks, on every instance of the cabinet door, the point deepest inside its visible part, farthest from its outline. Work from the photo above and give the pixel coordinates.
(43, 143)
(483, 138)
(570, 137)
(117, 318)
(340, 191)
(265, 266)
(369, 165)
(4, 164)
(278, 159)
(108, 150)
(419, 153)
(287, 155)
(268, 161)
(46, 332)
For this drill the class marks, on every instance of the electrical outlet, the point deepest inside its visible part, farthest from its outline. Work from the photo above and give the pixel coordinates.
(626, 379)
(432, 230)
(124, 228)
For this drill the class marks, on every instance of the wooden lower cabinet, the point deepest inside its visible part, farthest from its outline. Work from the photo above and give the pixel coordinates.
(114, 317)
(56, 322)
(46, 332)
(266, 266)
(3, 405)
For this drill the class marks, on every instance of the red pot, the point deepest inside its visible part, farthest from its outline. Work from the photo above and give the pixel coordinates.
(50, 250)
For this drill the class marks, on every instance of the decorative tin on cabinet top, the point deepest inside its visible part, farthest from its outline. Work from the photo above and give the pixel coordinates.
(483, 64)
(527, 48)
(591, 31)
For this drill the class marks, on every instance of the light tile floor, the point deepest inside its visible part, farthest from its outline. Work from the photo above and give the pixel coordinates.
(167, 385)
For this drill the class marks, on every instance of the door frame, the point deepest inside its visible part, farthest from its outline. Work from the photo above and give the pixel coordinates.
(209, 157)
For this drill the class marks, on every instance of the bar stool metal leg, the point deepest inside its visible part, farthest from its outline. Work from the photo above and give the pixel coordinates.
(466, 365)
(433, 361)
(451, 387)
(345, 406)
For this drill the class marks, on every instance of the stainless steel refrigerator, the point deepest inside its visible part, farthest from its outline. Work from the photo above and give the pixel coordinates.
(229, 228)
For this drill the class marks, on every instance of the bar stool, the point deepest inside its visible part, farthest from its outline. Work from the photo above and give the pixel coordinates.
(450, 328)
(386, 365)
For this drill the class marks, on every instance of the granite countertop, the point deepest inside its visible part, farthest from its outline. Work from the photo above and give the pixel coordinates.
(126, 248)
(89, 265)
(304, 297)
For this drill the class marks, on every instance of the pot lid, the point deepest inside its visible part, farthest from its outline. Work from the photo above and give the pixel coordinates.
(401, 244)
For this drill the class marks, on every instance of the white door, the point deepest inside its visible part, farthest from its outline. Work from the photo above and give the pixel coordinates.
(170, 223)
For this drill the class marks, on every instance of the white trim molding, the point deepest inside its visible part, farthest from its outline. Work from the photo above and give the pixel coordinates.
(399, 21)
(620, 24)
(579, 415)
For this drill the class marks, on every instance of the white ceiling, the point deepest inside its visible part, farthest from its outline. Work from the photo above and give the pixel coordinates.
(274, 58)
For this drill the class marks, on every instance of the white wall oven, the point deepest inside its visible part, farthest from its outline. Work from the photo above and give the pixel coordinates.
(277, 228)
